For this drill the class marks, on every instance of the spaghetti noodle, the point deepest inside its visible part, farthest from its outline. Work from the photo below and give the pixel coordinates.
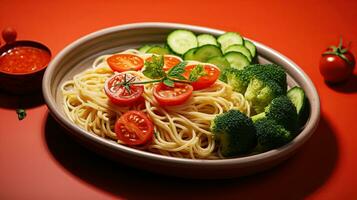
(180, 131)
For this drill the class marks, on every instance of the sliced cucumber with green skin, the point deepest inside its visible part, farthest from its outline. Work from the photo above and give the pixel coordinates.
(298, 98)
(251, 47)
(181, 41)
(190, 54)
(158, 50)
(206, 52)
(222, 63)
(145, 48)
(237, 60)
(228, 39)
(241, 49)
(204, 39)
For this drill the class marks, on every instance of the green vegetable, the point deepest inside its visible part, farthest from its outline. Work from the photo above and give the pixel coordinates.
(259, 116)
(238, 79)
(277, 125)
(271, 135)
(158, 50)
(177, 71)
(251, 47)
(196, 72)
(237, 60)
(298, 98)
(261, 91)
(220, 62)
(241, 49)
(21, 113)
(228, 39)
(268, 71)
(204, 39)
(154, 68)
(283, 111)
(180, 41)
(190, 54)
(206, 52)
(145, 48)
(235, 133)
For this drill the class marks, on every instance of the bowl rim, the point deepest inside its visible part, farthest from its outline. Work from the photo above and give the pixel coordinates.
(25, 43)
(304, 135)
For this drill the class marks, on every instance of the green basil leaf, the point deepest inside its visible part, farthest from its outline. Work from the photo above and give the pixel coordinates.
(21, 114)
(168, 82)
(196, 73)
(177, 70)
(154, 69)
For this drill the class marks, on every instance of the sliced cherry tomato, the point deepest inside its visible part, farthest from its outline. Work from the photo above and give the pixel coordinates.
(125, 62)
(172, 96)
(169, 61)
(134, 128)
(212, 74)
(120, 95)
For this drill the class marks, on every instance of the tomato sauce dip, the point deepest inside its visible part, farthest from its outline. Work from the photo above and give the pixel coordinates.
(24, 59)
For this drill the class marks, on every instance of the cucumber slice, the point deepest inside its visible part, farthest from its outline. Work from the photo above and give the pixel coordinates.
(204, 39)
(298, 98)
(190, 54)
(228, 39)
(158, 50)
(181, 41)
(251, 47)
(220, 62)
(237, 60)
(241, 49)
(206, 52)
(145, 48)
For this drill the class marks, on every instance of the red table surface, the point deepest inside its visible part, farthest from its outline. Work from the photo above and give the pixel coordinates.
(38, 160)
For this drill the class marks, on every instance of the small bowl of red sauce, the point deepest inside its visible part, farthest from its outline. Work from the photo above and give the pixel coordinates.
(22, 64)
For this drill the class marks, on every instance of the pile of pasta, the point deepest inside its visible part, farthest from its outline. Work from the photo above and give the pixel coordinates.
(179, 131)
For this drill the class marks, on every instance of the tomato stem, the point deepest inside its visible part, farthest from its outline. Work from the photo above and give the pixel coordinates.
(339, 51)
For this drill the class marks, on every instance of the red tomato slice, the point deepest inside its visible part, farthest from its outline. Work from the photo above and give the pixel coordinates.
(212, 74)
(125, 62)
(118, 94)
(134, 128)
(169, 61)
(172, 96)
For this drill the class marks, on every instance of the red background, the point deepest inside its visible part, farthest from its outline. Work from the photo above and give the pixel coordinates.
(38, 160)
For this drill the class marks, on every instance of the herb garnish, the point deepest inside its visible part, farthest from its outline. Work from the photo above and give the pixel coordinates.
(154, 69)
(21, 113)
(196, 72)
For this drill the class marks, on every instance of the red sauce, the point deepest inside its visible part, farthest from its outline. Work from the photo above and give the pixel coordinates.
(24, 59)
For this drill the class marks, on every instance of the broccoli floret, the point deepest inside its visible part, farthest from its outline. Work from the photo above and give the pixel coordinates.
(235, 132)
(283, 111)
(259, 116)
(271, 135)
(270, 71)
(237, 79)
(261, 91)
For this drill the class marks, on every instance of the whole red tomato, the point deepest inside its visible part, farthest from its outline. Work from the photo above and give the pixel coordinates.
(337, 64)
(9, 34)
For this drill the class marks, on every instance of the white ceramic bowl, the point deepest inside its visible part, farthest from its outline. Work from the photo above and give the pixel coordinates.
(79, 55)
